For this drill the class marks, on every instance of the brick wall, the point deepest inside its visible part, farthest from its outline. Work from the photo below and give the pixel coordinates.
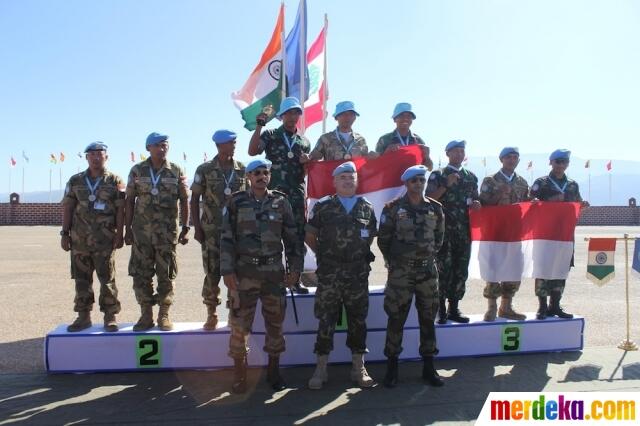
(51, 214)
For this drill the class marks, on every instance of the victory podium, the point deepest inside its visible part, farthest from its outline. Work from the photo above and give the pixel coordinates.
(188, 346)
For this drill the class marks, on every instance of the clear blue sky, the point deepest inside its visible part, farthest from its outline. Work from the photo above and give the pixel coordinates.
(537, 74)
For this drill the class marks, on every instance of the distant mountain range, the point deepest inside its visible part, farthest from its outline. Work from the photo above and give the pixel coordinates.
(624, 177)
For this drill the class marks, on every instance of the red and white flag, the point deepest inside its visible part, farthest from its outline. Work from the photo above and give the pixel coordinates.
(12, 162)
(525, 240)
(313, 112)
(609, 166)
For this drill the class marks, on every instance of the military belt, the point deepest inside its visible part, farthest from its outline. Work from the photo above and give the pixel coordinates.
(422, 262)
(261, 260)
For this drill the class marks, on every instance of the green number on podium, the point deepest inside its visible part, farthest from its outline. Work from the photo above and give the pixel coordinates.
(148, 351)
(511, 335)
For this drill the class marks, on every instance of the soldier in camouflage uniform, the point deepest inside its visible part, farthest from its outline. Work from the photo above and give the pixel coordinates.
(457, 189)
(215, 181)
(342, 143)
(340, 230)
(154, 188)
(403, 116)
(555, 187)
(288, 151)
(256, 223)
(410, 235)
(93, 217)
(503, 188)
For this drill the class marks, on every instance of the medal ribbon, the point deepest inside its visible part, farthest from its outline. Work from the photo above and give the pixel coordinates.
(402, 141)
(154, 179)
(288, 142)
(346, 148)
(92, 188)
(561, 189)
(227, 182)
(508, 178)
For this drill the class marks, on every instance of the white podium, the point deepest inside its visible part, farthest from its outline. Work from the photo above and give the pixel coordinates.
(188, 346)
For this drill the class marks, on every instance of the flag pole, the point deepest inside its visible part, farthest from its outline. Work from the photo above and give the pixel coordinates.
(283, 62)
(10, 167)
(326, 73)
(610, 186)
(303, 56)
(50, 184)
(22, 193)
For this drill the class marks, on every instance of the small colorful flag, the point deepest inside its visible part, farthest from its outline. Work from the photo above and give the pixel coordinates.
(24, 156)
(587, 164)
(133, 157)
(53, 159)
(609, 166)
(600, 267)
(530, 165)
(12, 162)
(143, 157)
(62, 157)
(636, 256)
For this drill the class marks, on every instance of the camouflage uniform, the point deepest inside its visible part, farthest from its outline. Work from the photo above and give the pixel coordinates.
(287, 174)
(92, 233)
(392, 138)
(253, 232)
(543, 189)
(490, 195)
(453, 257)
(209, 181)
(155, 230)
(409, 239)
(331, 146)
(343, 256)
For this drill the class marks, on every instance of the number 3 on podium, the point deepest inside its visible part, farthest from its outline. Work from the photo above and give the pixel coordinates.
(511, 336)
(148, 350)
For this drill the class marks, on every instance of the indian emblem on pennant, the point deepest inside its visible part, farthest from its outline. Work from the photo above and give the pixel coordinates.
(601, 266)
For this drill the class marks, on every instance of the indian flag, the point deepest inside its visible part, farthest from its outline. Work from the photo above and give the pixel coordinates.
(263, 90)
(600, 268)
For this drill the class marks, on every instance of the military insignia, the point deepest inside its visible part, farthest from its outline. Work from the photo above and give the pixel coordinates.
(402, 214)
(197, 178)
(433, 177)
(535, 187)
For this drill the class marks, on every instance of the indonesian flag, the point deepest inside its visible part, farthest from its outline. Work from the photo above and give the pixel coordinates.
(600, 268)
(609, 166)
(263, 90)
(313, 107)
(12, 162)
(525, 240)
(378, 180)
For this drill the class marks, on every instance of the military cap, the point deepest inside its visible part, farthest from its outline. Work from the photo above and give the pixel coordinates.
(257, 164)
(402, 107)
(455, 144)
(96, 146)
(413, 171)
(560, 154)
(156, 138)
(344, 107)
(223, 136)
(288, 104)
(509, 150)
(348, 167)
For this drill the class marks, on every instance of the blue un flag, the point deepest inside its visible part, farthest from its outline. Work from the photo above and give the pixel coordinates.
(636, 256)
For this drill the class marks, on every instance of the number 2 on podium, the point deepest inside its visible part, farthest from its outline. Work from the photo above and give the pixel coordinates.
(148, 351)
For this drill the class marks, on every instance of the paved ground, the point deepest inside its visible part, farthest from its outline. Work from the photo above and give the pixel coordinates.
(37, 295)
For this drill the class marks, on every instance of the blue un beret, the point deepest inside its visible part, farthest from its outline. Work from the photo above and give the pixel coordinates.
(223, 136)
(455, 144)
(287, 104)
(96, 146)
(402, 107)
(156, 138)
(560, 154)
(257, 164)
(344, 107)
(413, 171)
(348, 167)
(509, 150)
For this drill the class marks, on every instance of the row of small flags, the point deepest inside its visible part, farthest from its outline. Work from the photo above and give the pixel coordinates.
(601, 259)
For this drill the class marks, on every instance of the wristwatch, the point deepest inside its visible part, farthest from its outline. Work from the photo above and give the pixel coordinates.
(64, 233)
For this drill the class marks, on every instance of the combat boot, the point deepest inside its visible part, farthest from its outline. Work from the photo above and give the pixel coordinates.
(429, 373)
(391, 377)
(299, 288)
(273, 374)
(110, 323)
(212, 318)
(442, 311)
(164, 323)
(320, 376)
(506, 310)
(82, 322)
(454, 313)
(542, 308)
(239, 375)
(556, 309)
(145, 322)
(492, 310)
(359, 373)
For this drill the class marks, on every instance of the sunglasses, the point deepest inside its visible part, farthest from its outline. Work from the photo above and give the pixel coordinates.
(417, 179)
(561, 161)
(261, 172)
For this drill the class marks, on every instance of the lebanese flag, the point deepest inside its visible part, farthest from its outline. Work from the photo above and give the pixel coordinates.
(525, 240)
(601, 264)
(378, 181)
(313, 107)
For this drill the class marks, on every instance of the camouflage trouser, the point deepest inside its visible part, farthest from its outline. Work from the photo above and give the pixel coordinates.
(82, 267)
(299, 207)
(505, 289)
(148, 260)
(211, 263)
(338, 286)
(544, 288)
(402, 283)
(274, 305)
(453, 264)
